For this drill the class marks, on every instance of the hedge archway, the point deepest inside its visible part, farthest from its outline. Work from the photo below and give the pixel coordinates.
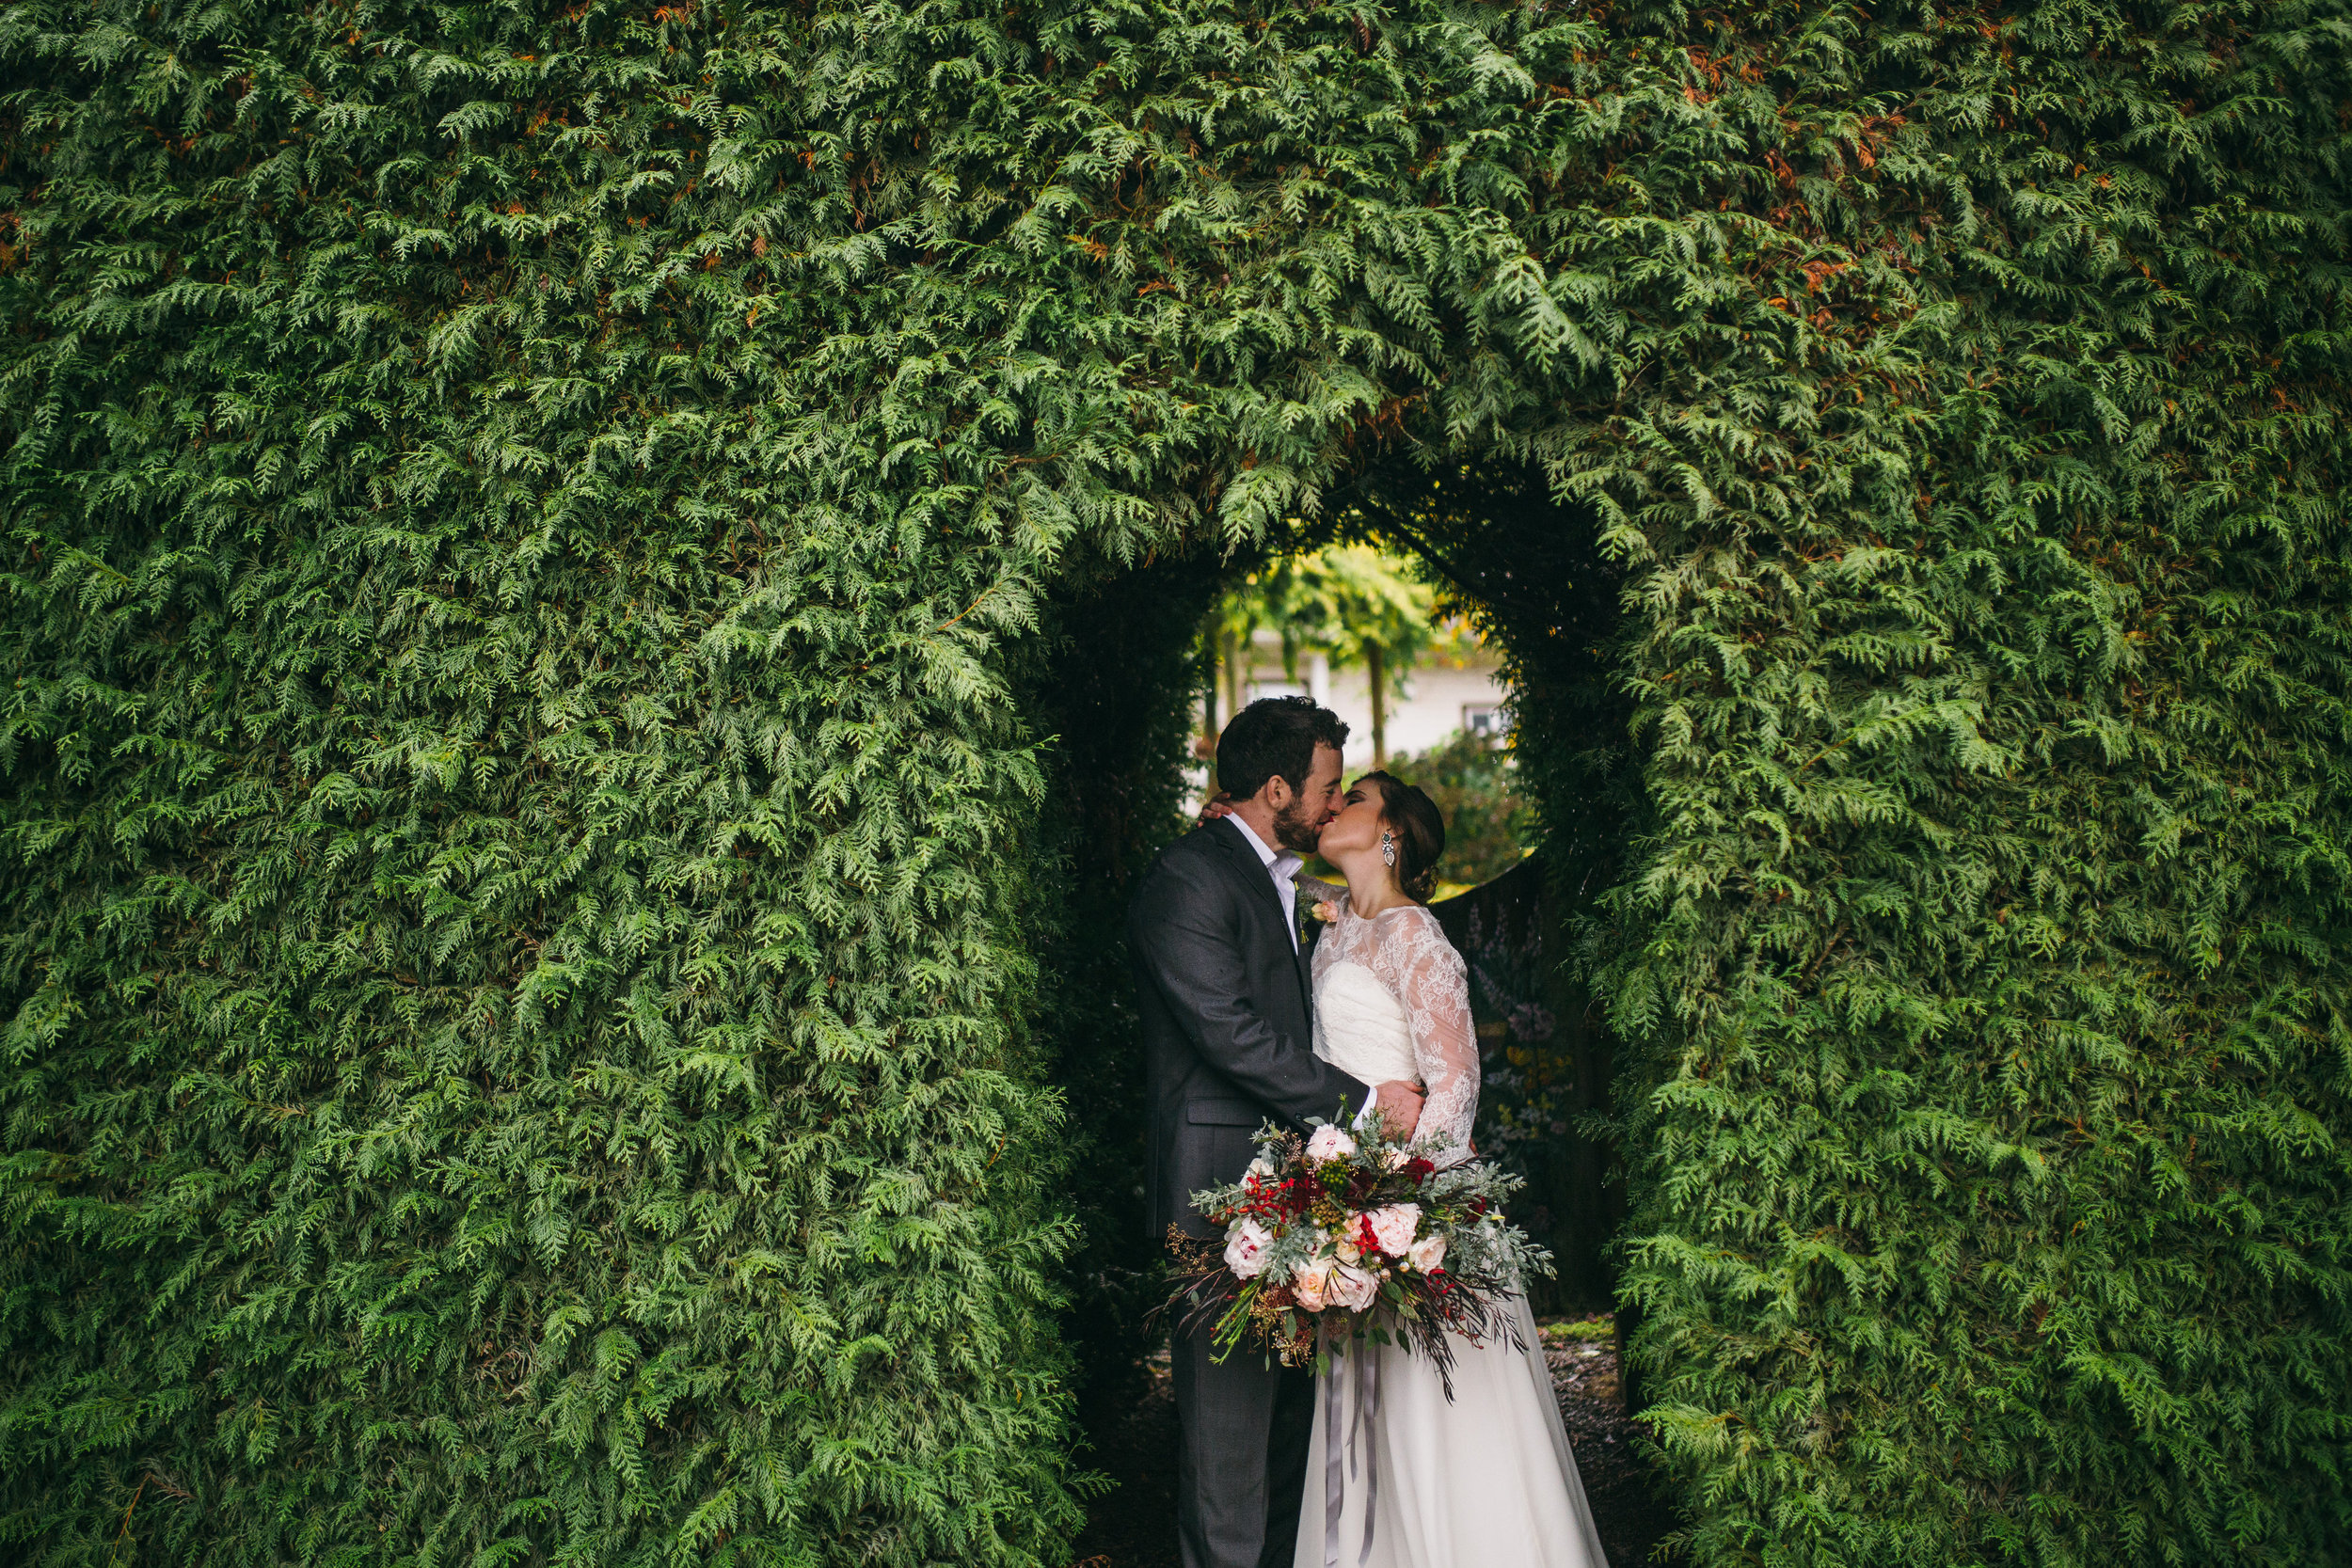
(1113, 687)
(531, 531)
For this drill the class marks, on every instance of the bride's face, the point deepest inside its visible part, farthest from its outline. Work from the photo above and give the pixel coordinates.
(1356, 827)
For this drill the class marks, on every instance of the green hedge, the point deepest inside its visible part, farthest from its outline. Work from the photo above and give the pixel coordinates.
(528, 829)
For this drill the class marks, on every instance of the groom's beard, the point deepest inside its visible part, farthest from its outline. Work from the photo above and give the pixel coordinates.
(1293, 831)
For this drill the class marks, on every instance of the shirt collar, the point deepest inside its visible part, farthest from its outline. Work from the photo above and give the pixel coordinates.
(1282, 862)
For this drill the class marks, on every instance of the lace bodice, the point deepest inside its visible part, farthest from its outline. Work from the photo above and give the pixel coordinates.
(1408, 952)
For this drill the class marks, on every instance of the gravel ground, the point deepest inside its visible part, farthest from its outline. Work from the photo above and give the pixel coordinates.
(1133, 1525)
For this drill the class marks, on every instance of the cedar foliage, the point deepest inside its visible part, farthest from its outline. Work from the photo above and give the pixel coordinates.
(521, 841)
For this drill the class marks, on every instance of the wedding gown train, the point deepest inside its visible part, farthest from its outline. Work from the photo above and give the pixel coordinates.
(1488, 1480)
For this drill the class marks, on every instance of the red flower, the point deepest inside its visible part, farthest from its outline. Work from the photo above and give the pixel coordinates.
(1418, 1168)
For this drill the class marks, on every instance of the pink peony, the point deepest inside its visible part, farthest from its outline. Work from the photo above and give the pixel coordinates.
(1353, 1288)
(1428, 1255)
(1393, 1228)
(1329, 1142)
(1245, 1248)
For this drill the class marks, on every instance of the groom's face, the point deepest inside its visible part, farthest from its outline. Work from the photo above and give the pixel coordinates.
(1298, 823)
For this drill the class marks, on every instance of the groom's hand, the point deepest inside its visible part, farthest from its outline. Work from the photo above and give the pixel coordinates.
(1399, 1104)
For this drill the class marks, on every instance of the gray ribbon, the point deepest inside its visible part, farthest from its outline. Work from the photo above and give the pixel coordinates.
(1366, 1377)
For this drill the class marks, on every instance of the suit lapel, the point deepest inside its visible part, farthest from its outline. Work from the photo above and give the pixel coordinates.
(1253, 871)
(1306, 977)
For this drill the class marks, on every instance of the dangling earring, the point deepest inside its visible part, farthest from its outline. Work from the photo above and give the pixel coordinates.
(1388, 848)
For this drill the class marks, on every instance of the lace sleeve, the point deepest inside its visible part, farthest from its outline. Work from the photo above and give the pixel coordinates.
(1431, 980)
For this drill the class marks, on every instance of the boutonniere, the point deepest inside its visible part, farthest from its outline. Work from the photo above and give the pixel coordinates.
(1325, 912)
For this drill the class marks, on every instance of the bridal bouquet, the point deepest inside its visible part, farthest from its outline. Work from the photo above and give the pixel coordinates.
(1354, 1235)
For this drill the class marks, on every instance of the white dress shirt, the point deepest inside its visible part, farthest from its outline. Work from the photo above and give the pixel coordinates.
(1281, 865)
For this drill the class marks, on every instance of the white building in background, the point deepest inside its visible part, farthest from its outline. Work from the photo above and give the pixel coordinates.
(1442, 695)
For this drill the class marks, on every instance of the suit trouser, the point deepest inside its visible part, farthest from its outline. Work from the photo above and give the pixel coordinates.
(1241, 1461)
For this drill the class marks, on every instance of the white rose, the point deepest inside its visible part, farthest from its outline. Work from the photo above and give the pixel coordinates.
(1260, 1167)
(1245, 1248)
(1393, 1228)
(1328, 1143)
(1428, 1255)
(1353, 1288)
(1307, 1286)
(1348, 1251)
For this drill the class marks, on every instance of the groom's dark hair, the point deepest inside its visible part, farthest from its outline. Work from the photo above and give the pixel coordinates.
(1275, 735)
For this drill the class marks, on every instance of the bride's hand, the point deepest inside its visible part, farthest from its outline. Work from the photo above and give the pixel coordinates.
(1211, 810)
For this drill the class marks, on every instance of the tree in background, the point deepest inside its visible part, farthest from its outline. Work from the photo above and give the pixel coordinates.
(1490, 825)
(1354, 604)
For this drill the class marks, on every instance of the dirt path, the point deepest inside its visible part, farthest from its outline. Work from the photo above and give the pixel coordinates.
(1134, 1525)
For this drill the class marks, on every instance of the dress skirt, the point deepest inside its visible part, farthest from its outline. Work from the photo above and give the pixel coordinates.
(1487, 1481)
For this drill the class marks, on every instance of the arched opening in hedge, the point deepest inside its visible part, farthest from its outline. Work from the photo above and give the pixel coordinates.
(1115, 691)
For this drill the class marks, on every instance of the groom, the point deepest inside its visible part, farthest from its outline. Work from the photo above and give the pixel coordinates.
(1222, 981)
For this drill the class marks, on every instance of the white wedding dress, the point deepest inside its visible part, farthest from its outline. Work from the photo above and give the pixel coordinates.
(1487, 1481)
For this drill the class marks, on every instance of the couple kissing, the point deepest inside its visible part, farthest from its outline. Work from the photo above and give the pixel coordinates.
(1244, 1024)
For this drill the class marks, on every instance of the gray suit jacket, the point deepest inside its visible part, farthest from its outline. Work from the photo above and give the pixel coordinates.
(1226, 1009)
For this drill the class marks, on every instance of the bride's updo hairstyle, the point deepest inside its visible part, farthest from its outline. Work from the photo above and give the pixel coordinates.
(1419, 829)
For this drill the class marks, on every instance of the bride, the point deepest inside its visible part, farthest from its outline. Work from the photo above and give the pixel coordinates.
(1398, 1476)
